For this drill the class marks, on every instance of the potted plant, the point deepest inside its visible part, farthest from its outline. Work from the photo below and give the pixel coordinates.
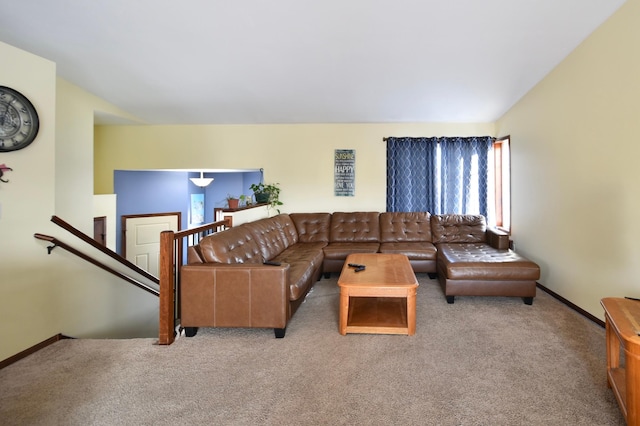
(267, 193)
(233, 201)
(245, 200)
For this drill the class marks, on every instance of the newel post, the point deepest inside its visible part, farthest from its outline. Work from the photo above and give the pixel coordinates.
(167, 289)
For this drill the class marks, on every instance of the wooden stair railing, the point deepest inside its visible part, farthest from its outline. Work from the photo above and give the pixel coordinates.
(171, 259)
(93, 243)
(57, 243)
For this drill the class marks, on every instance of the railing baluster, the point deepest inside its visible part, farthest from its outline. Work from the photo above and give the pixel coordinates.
(177, 261)
(172, 249)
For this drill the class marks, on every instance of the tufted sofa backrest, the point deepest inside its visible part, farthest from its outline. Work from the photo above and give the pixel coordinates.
(264, 239)
(234, 245)
(355, 227)
(405, 227)
(273, 234)
(312, 227)
(458, 228)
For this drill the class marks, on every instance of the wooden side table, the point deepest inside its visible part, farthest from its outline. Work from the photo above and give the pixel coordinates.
(622, 325)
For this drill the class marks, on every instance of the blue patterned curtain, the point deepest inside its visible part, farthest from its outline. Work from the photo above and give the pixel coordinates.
(410, 171)
(438, 175)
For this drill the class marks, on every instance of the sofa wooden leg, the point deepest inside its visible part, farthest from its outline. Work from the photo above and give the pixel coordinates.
(528, 300)
(450, 299)
(327, 275)
(279, 332)
(432, 275)
(190, 331)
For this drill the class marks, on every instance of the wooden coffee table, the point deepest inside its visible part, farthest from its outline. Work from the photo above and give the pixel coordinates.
(381, 299)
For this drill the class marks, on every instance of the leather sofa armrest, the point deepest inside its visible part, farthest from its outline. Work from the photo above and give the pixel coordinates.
(235, 295)
(193, 255)
(497, 238)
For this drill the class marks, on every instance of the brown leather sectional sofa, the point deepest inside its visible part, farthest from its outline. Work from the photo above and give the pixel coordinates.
(227, 284)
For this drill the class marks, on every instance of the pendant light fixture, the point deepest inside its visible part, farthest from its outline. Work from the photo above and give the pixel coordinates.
(201, 181)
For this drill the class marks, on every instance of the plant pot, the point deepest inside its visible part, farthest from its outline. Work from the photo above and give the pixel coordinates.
(233, 203)
(262, 197)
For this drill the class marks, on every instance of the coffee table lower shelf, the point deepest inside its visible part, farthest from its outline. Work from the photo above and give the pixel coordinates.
(377, 315)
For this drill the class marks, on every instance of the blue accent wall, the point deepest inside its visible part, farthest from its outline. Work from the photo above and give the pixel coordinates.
(145, 192)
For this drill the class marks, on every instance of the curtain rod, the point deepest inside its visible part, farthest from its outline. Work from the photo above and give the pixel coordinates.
(386, 138)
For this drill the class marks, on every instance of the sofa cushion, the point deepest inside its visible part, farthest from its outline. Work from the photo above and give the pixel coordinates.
(300, 278)
(361, 227)
(340, 251)
(303, 259)
(312, 227)
(234, 245)
(306, 252)
(413, 250)
(458, 228)
(273, 235)
(405, 226)
(479, 261)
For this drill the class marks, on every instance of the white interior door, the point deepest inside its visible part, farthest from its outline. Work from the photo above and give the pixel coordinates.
(142, 239)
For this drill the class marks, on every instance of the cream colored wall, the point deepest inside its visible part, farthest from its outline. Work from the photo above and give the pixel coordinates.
(27, 314)
(575, 151)
(74, 184)
(42, 295)
(93, 303)
(299, 157)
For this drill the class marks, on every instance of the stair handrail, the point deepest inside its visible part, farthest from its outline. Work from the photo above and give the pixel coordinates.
(57, 243)
(105, 250)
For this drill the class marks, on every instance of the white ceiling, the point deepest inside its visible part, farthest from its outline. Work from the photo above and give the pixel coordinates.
(304, 61)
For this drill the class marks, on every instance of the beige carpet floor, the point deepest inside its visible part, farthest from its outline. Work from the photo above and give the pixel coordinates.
(480, 361)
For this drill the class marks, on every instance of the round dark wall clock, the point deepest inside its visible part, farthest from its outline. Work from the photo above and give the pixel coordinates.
(19, 121)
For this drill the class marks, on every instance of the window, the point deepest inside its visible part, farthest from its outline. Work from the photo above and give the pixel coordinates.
(502, 183)
(441, 175)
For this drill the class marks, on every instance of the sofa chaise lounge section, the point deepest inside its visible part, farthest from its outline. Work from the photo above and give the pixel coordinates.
(474, 260)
